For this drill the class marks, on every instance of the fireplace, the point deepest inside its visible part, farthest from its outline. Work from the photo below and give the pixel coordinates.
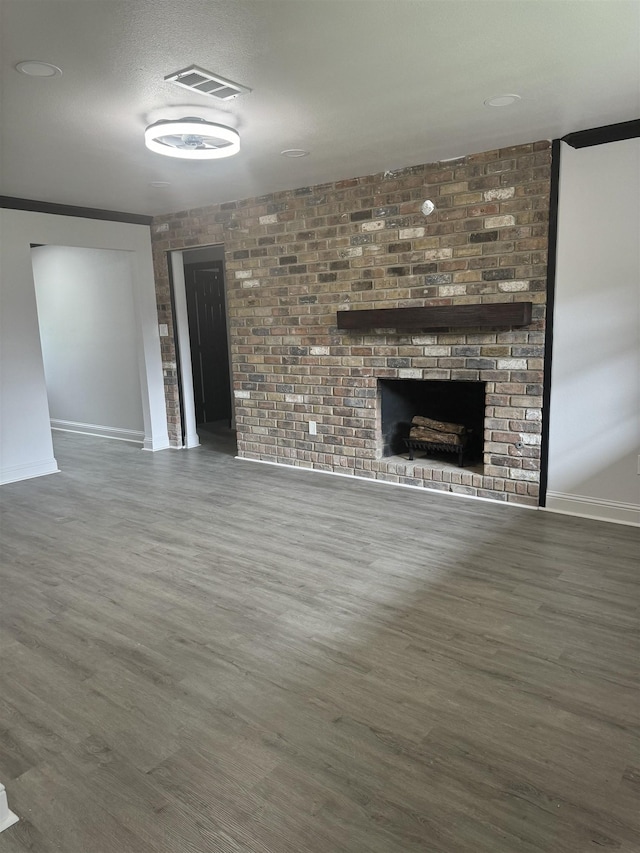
(453, 402)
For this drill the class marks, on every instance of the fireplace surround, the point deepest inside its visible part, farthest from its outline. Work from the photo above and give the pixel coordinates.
(306, 386)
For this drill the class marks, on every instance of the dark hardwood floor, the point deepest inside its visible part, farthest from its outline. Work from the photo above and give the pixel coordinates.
(205, 655)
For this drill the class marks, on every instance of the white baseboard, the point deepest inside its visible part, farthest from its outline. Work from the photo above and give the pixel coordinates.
(7, 817)
(15, 473)
(162, 444)
(100, 430)
(191, 439)
(596, 508)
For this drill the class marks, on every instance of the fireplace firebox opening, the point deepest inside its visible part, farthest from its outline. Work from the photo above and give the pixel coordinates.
(441, 419)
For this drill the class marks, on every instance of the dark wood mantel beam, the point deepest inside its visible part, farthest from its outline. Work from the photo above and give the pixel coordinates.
(437, 317)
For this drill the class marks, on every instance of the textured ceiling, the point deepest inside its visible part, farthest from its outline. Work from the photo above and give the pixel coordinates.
(364, 85)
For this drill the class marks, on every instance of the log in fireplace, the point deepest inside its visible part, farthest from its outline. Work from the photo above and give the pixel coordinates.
(435, 416)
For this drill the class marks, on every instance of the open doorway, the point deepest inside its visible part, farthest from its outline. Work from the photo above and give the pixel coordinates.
(89, 338)
(203, 348)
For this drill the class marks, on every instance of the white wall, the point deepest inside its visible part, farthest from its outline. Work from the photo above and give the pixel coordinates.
(88, 333)
(594, 437)
(25, 436)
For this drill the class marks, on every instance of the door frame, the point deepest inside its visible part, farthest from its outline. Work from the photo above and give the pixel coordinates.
(182, 340)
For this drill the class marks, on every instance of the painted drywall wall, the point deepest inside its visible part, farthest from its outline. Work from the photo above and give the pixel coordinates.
(88, 330)
(26, 448)
(594, 433)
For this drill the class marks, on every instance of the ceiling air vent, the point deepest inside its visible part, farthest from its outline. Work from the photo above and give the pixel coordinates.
(198, 80)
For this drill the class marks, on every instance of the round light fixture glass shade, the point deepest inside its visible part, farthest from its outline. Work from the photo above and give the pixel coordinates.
(192, 139)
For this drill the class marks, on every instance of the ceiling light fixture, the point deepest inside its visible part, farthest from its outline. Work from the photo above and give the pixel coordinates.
(192, 139)
(502, 100)
(159, 184)
(294, 152)
(35, 68)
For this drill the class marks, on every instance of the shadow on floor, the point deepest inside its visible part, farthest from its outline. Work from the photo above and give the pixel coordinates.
(218, 437)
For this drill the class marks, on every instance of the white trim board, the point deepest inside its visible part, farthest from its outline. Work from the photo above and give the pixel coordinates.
(181, 321)
(15, 473)
(596, 508)
(116, 433)
(7, 817)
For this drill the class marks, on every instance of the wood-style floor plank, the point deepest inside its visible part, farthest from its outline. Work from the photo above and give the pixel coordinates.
(204, 655)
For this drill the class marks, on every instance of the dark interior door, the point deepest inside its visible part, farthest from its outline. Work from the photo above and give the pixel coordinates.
(208, 333)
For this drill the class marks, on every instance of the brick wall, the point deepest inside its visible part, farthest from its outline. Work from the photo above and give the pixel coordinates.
(294, 258)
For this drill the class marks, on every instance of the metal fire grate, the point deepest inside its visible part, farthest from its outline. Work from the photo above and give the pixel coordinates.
(437, 447)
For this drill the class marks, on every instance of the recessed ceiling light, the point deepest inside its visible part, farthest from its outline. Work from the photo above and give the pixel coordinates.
(501, 100)
(35, 68)
(192, 139)
(159, 184)
(294, 152)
